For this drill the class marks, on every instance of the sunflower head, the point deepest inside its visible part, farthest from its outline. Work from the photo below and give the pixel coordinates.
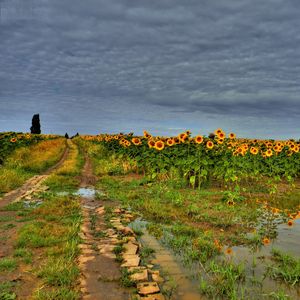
(269, 153)
(13, 140)
(232, 135)
(183, 137)
(151, 143)
(266, 241)
(170, 142)
(136, 141)
(221, 135)
(159, 145)
(199, 139)
(229, 251)
(209, 144)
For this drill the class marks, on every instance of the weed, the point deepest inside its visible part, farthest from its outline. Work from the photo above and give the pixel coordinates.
(7, 264)
(125, 278)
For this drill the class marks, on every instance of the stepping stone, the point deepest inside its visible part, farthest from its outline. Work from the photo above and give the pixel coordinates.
(128, 216)
(131, 248)
(89, 207)
(156, 276)
(87, 251)
(100, 210)
(147, 288)
(106, 248)
(84, 259)
(84, 246)
(131, 260)
(140, 274)
(153, 297)
(127, 231)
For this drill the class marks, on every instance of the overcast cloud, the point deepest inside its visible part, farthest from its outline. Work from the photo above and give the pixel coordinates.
(126, 65)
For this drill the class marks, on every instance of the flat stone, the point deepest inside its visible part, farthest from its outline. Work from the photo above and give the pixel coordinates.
(153, 297)
(150, 266)
(131, 260)
(89, 207)
(128, 216)
(127, 231)
(118, 211)
(146, 288)
(84, 259)
(130, 248)
(87, 251)
(100, 210)
(107, 248)
(139, 274)
(156, 277)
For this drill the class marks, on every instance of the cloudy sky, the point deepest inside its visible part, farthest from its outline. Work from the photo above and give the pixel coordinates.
(126, 65)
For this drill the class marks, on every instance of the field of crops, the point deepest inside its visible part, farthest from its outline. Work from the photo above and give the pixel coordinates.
(216, 216)
(10, 141)
(200, 159)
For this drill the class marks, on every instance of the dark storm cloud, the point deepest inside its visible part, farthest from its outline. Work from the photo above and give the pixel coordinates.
(165, 65)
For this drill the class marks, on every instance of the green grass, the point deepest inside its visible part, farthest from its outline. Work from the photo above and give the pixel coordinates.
(224, 279)
(285, 267)
(6, 218)
(59, 272)
(7, 226)
(26, 161)
(25, 254)
(6, 290)
(7, 264)
(60, 293)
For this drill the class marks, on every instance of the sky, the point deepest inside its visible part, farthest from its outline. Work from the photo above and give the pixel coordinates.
(166, 66)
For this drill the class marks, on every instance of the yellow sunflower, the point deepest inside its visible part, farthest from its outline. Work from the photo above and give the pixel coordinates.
(159, 145)
(209, 144)
(199, 139)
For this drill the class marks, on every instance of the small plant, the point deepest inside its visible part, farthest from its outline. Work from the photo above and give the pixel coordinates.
(7, 264)
(125, 278)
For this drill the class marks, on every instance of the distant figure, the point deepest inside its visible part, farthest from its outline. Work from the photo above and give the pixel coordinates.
(36, 126)
(66, 135)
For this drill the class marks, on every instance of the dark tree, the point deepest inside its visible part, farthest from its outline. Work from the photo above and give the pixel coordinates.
(66, 135)
(211, 135)
(36, 126)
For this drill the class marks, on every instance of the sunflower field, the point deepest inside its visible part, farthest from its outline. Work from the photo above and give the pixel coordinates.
(201, 160)
(10, 141)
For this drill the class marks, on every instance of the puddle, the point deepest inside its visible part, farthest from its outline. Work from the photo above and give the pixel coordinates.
(287, 240)
(86, 192)
(185, 280)
(32, 204)
(89, 192)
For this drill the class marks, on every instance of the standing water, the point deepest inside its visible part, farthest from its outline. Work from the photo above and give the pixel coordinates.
(186, 284)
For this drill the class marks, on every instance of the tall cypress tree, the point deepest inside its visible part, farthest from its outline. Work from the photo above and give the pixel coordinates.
(36, 126)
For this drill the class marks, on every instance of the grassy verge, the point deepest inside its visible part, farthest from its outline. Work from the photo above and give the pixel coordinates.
(46, 242)
(64, 179)
(28, 161)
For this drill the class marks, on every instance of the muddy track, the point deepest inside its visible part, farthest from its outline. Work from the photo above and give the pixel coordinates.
(100, 273)
(32, 182)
